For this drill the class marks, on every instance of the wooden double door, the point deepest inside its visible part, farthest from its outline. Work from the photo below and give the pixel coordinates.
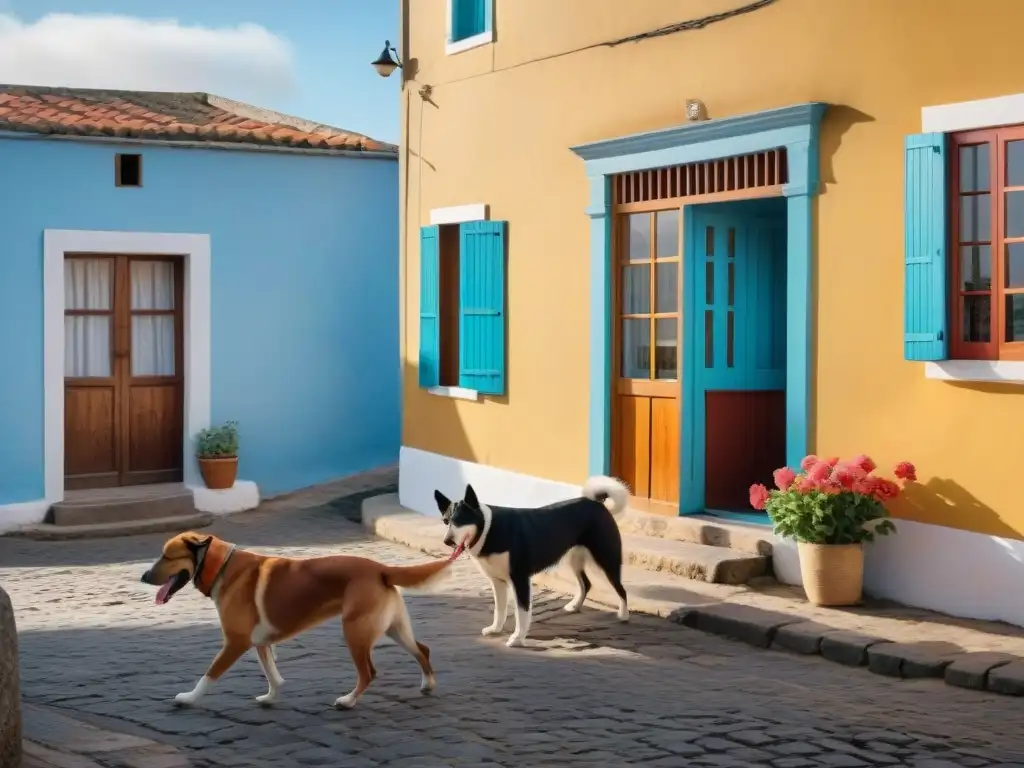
(123, 370)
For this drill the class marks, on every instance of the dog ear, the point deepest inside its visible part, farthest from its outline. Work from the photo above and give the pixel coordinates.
(196, 544)
(442, 501)
(470, 497)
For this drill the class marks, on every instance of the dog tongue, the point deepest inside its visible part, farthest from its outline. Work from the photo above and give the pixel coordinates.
(164, 594)
(457, 552)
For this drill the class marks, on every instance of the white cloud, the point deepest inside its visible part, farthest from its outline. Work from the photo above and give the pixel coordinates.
(245, 62)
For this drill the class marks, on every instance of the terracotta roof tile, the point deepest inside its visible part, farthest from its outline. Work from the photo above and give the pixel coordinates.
(159, 116)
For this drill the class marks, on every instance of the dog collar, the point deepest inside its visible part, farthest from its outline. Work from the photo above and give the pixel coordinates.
(215, 560)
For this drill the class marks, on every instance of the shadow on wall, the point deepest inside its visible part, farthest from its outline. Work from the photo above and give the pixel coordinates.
(839, 119)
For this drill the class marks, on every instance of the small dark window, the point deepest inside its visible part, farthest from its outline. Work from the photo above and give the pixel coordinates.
(128, 170)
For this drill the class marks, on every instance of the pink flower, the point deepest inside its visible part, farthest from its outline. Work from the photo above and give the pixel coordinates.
(758, 496)
(784, 477)
(866, 486)
(906, 471)
(831, 488)
(808, 462)
(886, 490)
(865, 463)
(831, 461)
(819, 473)
(806, 485)
(843, 477)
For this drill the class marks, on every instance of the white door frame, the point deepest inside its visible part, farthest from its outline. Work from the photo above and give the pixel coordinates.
(195, 249)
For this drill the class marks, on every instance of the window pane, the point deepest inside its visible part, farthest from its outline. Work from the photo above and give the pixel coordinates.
(152, 285)
(1015, 163)
(87, 346)
(977, 318)
(666, 346)
(709, 338)
(709, 282)
(1014, 267)
(975, 268)
(636, 290)
(974, 165)
(731, 247)
(730, 338)
(1014, 214)
(709, 241)
(1015, 317)
(636, 349)
(731, 291)
(638, 237)
(88, 283)
(975, 218)
(153, 345)
(667, 223)
(667, 299)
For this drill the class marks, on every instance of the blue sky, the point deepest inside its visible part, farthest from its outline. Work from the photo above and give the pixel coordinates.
(306, 57)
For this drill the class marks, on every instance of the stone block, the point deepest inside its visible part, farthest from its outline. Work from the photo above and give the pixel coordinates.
(971, 670)
(10, 686)
(849, 648)
(1007, 679)
(804, 637)
(912, 660)
(739, 622)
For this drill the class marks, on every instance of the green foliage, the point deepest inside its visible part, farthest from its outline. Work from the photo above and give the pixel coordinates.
(815, 517)
(218, 442)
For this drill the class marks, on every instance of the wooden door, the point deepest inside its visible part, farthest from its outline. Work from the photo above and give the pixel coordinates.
(123, 371)
(740, 371)
(646, 388)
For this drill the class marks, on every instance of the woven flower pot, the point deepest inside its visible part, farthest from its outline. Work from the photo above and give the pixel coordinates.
(833, 574)
(219, 474)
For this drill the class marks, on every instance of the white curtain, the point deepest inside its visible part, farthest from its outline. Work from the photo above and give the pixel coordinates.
(88, 284)
(152, 287)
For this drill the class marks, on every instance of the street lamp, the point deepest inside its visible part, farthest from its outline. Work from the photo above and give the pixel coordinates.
(384, 64)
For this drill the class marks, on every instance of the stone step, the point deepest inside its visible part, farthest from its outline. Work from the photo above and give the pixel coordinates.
(122, 509)
(175, 523)
(700, 562)
(698, 529)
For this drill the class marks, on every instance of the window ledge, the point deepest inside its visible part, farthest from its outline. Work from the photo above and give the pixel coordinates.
(458, 393)
(468, 43)
(992, 371)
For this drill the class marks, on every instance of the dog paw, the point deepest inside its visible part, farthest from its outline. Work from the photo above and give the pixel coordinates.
(266, 699)
(427, 685)
(491, 630)
(345, 702)
(185, 699)
(516, 641)
(572, 607)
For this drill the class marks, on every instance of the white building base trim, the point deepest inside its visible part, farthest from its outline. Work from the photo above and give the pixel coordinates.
(14, 516)
(242, 496)
(964, 574)
(420, 472)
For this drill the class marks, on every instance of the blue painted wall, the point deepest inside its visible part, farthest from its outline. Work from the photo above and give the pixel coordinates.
(305, 296)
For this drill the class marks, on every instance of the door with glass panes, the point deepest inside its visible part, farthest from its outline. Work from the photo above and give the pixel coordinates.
(123, 370)
(645, 384)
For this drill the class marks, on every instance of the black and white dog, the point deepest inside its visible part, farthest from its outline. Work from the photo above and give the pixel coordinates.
(510, 545)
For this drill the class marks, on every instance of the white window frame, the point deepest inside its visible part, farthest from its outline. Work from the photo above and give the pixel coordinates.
(466, 44)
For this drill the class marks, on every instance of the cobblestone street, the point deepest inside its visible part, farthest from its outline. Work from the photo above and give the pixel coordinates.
(591, 692)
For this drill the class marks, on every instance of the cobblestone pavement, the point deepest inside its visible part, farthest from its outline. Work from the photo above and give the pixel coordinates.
(590, 693)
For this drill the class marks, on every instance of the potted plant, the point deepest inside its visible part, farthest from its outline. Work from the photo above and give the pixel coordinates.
(217, 452)
(831, 507)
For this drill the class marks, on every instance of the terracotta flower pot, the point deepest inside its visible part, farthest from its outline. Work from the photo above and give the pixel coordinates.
(833, 574)
(219, 474)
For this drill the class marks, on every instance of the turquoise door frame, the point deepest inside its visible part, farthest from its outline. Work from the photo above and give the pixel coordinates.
(795, 128)
(758, 355)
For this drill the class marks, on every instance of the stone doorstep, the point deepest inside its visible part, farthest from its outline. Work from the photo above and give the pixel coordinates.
(696, 529)
(51, 532)
(706, 607)
(122, 510)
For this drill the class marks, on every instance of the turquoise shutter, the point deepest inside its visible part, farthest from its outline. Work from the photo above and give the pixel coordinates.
(482, 306)
(926, 298)
(430, 325)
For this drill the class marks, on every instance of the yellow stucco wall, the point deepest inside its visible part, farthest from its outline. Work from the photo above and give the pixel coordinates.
(498, 130)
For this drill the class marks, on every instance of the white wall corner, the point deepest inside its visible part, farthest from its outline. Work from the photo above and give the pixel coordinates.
(457, 214)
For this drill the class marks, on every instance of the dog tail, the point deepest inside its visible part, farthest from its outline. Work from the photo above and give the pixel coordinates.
(420, 576)
(611, 492)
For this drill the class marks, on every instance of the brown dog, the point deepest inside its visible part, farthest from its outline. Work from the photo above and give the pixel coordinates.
(264, 600)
